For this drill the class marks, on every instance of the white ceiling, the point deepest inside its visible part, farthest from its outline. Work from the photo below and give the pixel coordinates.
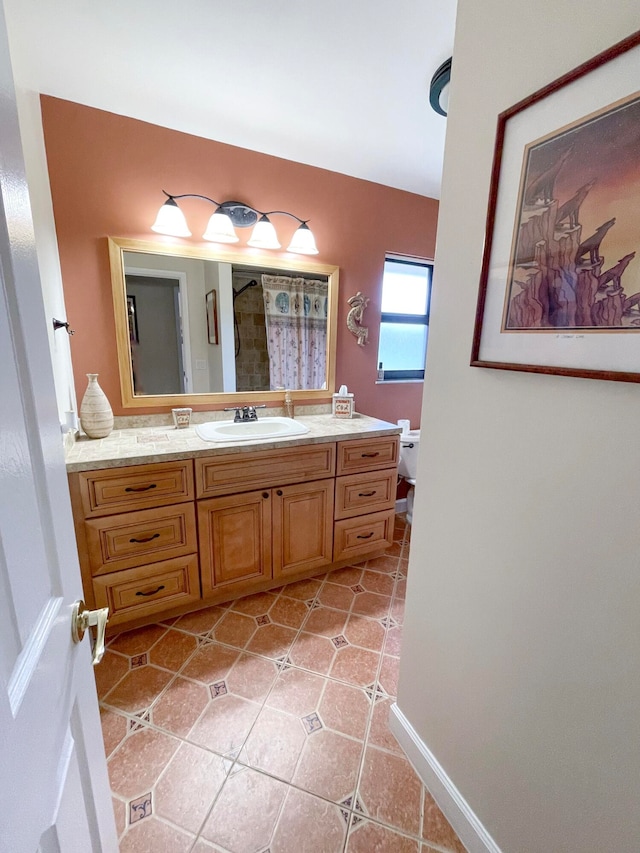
(340, 84)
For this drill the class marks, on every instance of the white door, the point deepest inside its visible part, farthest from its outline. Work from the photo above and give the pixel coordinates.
(54, 792)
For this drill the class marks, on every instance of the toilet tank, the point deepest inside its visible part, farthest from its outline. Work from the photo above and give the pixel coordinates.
(409, 444)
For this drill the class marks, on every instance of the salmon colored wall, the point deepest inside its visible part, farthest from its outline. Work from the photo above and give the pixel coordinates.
(107, 173)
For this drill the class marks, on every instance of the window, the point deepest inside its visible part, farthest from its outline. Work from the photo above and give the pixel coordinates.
(404, 325)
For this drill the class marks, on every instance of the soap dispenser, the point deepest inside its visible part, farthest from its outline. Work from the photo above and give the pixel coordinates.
(288, 404)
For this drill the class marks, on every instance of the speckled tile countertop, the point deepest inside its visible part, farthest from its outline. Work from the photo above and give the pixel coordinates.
(164, 443)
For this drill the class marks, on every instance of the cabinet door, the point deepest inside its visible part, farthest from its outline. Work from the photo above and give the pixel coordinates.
(235, 542)
(302, 527)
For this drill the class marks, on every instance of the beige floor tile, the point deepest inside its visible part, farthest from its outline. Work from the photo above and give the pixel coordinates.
(252, 677)
(345, 709)
(188, 786)
(114, 729)
(202, 622)
(225, 724)
(120, 815)
(365, 632)
(379, 732)
(325, 621)
(371, 604)
(390, 791)
(151, 836)
(329, 765)
(336, 595)
(303, 590)
(234, 629)
(246, 812)
(367, 837)
(273, 641)
(112, 668)
(290, 612)
(346, 577)
(377, 582)
(296, 691)
(135, 766)
(172, 650)
(254, 605)
(393, 643)
(211, 663)
(275, 743)
(313, 652)
(137, 641)
(436, 829)
(138, 689)
(389, 671)
(355, 665)
(308, 825)
(180, 706)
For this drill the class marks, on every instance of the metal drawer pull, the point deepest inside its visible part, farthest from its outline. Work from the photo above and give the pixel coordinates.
(370, 455)
(368, 536)
(366, 494)
(148, 539)
(141, 488)
(152, 591)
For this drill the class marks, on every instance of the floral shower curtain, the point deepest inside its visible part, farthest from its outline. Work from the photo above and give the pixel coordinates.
(295, 312)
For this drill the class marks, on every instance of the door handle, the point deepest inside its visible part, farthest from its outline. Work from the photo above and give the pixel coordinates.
(83, 618)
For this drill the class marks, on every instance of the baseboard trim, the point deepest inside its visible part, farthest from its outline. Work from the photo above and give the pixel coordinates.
(455, 808)
(401, 505)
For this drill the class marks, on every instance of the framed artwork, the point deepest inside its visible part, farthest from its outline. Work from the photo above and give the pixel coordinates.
(212, 316)
(560, 282)
(132, 317)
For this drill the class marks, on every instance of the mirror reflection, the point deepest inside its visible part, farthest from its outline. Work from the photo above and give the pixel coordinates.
(201, 324)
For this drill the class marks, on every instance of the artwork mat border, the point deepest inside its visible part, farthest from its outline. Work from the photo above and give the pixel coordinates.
(611, 72)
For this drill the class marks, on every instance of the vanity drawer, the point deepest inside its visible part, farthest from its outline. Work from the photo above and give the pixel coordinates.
(135, 487)
(146, 590)
(133, 538)
(362, 493)
(262, 469)
(368, 454)
(355, 536)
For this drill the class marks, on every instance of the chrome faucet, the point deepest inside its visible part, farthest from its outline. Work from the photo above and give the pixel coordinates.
(245, 412)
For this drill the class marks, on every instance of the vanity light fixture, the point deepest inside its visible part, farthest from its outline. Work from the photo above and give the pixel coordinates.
(229, 215)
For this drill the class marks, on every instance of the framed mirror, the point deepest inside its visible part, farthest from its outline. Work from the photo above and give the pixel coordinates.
(196, 326)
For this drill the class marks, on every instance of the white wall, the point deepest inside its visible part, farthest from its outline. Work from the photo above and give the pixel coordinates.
(521, 658)
(46, 246)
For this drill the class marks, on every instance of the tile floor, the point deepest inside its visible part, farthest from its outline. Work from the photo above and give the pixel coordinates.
(261, 726)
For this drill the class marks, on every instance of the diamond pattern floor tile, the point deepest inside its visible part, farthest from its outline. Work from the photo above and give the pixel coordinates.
(262, 725)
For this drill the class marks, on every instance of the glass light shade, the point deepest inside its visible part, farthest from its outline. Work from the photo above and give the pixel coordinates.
(264, 235)
(303, 241)
(220, 229)
(170, 220)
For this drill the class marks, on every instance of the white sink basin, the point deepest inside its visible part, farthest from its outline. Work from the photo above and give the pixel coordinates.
(248, 430)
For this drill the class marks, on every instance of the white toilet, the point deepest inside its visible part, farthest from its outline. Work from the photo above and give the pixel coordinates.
(408, 465)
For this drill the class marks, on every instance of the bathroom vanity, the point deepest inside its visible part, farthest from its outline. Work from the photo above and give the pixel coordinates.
(167, 523)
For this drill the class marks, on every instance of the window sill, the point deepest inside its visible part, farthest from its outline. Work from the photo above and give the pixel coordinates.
(399, 381)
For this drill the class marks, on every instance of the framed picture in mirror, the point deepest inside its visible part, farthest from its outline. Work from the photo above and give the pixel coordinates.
(212, 316)
(133, 319)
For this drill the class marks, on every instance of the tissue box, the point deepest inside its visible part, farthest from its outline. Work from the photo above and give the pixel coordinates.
(343, 406)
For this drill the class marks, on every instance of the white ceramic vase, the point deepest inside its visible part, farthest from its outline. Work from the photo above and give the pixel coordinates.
(96, 415)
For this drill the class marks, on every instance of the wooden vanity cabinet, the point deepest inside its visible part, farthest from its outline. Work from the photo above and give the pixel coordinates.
(367, 475)
(136, 533)
(167, 538)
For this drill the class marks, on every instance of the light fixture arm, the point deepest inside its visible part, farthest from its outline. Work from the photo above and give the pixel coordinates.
(241, 215)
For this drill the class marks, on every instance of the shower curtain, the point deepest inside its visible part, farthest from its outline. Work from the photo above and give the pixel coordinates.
(295, 312)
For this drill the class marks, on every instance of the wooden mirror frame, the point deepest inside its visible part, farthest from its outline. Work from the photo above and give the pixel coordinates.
(117, 247)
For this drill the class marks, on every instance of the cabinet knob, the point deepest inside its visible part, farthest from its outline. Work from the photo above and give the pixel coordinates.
(265, 494)
(279, 493)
